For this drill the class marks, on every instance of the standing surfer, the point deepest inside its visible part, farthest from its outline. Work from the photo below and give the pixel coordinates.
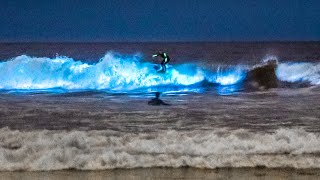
(165, 60)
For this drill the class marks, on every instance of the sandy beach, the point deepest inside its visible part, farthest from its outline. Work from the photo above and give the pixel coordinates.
(169, 173)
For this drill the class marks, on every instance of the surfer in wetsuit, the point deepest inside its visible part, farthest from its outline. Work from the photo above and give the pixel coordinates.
(156, 101)
(165, 60)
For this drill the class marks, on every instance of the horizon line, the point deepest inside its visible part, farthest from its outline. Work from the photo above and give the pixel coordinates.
(233, 41)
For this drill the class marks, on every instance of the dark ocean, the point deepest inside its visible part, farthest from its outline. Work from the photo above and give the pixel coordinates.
(84, 106)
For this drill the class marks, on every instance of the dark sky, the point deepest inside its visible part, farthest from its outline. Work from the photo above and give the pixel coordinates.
(159, 20)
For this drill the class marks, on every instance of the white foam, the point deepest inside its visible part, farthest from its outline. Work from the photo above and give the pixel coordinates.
(270, 57)
(299, 72)
(93, 150)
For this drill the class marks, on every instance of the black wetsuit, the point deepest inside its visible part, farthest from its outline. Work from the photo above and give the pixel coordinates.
(156, 101)
(165, 60)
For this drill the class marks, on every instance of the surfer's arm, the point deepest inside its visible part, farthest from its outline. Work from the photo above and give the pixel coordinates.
(155, 55)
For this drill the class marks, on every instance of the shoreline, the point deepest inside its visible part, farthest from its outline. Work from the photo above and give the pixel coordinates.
(168, 173)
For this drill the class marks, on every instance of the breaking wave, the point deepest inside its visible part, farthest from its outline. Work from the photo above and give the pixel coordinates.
(299, 72)
(121, 73)
(112, 72)
(96, 150)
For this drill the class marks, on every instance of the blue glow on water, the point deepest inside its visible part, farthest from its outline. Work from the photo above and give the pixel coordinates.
(113, 73)
(228, 90)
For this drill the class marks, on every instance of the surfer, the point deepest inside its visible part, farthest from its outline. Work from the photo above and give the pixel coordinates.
(165, 60)
(156, 101)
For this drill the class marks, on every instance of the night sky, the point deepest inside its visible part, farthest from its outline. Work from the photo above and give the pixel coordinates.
(159, 20)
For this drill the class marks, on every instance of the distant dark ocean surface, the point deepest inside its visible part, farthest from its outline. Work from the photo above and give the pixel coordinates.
(219, 52)
(84, 105)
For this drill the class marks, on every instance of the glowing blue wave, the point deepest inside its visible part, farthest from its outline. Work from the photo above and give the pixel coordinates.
(113, 72)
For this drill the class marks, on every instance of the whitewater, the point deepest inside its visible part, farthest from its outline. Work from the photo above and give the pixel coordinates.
(112, 72)
(117, 73)
(97, 150)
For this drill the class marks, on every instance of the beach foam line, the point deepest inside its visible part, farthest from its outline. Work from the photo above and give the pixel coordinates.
(98, 150)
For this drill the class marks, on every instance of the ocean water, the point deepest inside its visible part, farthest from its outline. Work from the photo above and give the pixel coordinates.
(84, 106)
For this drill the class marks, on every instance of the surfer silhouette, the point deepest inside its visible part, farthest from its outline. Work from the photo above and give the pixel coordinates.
(165, 60)
(156, 101)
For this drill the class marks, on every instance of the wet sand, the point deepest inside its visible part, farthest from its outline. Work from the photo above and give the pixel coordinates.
(168, 173)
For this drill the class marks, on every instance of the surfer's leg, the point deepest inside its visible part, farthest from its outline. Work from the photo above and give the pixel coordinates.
(163, 65)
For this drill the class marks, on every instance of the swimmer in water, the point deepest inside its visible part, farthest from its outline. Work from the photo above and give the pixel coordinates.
(156, 101)
(165, 60)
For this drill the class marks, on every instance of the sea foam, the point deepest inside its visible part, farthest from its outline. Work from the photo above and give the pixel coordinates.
(96, 150)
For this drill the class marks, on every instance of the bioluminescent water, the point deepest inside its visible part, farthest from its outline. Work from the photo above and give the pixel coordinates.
(130, 73)
(113, 72)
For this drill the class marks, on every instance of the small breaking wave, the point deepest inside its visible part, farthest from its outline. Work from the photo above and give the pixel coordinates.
(299, 72)
(97, 150)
